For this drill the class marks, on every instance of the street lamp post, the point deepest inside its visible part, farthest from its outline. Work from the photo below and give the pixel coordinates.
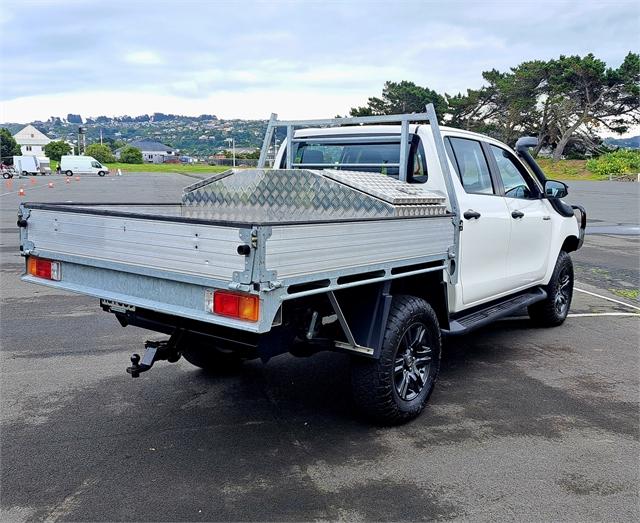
(232, 141)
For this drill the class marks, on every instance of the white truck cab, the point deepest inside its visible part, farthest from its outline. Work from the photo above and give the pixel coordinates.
(71, 165)
(511, 234)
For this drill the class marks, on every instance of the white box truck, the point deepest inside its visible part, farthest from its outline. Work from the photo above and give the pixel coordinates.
(71, 165)
(26, 165)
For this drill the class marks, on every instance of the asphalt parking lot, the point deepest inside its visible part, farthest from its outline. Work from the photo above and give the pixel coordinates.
(525, 424)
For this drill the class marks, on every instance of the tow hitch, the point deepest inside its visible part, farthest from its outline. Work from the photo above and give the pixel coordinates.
(154, 351)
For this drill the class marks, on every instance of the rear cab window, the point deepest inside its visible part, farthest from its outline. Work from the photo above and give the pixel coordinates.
(358, 155)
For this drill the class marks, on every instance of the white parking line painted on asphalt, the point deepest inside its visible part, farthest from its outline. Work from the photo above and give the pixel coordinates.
(580, 315)
(594, 314)
(30, 188)
(607, 298)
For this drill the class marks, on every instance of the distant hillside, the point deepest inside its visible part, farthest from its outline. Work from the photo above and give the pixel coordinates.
(194, 135)
(627, 143)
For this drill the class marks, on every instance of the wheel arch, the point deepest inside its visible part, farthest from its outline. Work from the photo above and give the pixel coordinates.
(366, 307)
(571, 243)
(429, 286)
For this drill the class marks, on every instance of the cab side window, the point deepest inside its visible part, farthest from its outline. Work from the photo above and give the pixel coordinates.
(471, 165)
(516, 181)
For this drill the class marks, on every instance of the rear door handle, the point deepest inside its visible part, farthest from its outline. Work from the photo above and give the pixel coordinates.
(517, 214)
(471, 214)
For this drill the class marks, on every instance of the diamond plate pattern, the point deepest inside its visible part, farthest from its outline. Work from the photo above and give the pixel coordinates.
(384, 187)
(261, 195)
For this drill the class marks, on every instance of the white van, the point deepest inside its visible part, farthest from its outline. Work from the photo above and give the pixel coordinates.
(71, 165)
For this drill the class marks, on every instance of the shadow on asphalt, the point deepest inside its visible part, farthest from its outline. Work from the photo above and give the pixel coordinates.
(242, 446)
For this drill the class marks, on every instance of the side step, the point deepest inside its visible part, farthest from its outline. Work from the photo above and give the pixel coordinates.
(489, 313)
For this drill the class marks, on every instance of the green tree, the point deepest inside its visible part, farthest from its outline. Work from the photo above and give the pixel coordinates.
(400, 98)
(587, 96)
(565, 102)
(100, 152)
(130, 154)
(115, 144)
(506, 107)
(8, 147)
(56, 150)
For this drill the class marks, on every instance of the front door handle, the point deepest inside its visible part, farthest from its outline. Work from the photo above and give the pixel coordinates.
(471, 214)
(517, 214)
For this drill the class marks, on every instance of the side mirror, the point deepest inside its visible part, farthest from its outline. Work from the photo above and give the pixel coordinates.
(554, 189)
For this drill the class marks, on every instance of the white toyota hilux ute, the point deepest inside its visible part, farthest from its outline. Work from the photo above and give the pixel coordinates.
(373, 236)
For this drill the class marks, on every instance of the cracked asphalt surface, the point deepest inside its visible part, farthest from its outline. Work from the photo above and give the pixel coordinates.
(524, 424)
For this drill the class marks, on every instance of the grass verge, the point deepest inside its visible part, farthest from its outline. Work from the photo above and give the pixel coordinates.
(567, 170)
(179, 168)
(561, 170)
(167, 168)
(630, 294)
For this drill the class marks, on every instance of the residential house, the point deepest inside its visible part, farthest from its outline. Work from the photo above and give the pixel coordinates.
(153, 152)
(31, 141)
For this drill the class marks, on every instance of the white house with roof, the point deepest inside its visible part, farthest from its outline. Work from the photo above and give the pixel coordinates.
(31, 141)
(152, 152)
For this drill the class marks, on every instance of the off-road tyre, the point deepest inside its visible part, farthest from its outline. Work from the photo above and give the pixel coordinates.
(553, 310)
(202, 353)
(213, 360)
(376, 383)
(69, 173)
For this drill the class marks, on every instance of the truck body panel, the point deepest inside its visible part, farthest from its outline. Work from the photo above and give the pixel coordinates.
(137, 254)
(30, 164)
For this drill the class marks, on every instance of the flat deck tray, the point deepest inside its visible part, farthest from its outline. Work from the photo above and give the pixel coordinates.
(278, 197)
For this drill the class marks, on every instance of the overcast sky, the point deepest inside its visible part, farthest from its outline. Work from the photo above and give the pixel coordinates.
(299, 59)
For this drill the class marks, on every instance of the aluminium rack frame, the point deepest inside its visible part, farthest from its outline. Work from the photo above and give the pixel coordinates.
(428, 116)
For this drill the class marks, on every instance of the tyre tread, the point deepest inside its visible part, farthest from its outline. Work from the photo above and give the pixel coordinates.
(372, 390)
(544, 313)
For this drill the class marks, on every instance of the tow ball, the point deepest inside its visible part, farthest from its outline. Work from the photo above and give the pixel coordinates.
(154, 351)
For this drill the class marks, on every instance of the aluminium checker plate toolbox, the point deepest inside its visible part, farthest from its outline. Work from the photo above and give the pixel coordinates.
(301, 195)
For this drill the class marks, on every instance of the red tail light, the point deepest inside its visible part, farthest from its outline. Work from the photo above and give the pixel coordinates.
(47, 269)
(234, 305)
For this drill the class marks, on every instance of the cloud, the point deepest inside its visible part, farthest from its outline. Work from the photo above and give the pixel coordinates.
(446, 37)
(255, 103)
(143, 58)
(279, 75)
(194, 54)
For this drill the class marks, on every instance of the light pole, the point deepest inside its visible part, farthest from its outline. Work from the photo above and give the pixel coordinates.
(232, 141)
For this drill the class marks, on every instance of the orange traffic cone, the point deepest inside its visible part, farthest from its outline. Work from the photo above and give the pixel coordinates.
(67, 180)
(32, 181)
(77, 178)
(50, 185)
(21, 191)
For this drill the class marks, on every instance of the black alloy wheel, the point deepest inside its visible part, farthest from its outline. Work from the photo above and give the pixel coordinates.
(412, 369)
